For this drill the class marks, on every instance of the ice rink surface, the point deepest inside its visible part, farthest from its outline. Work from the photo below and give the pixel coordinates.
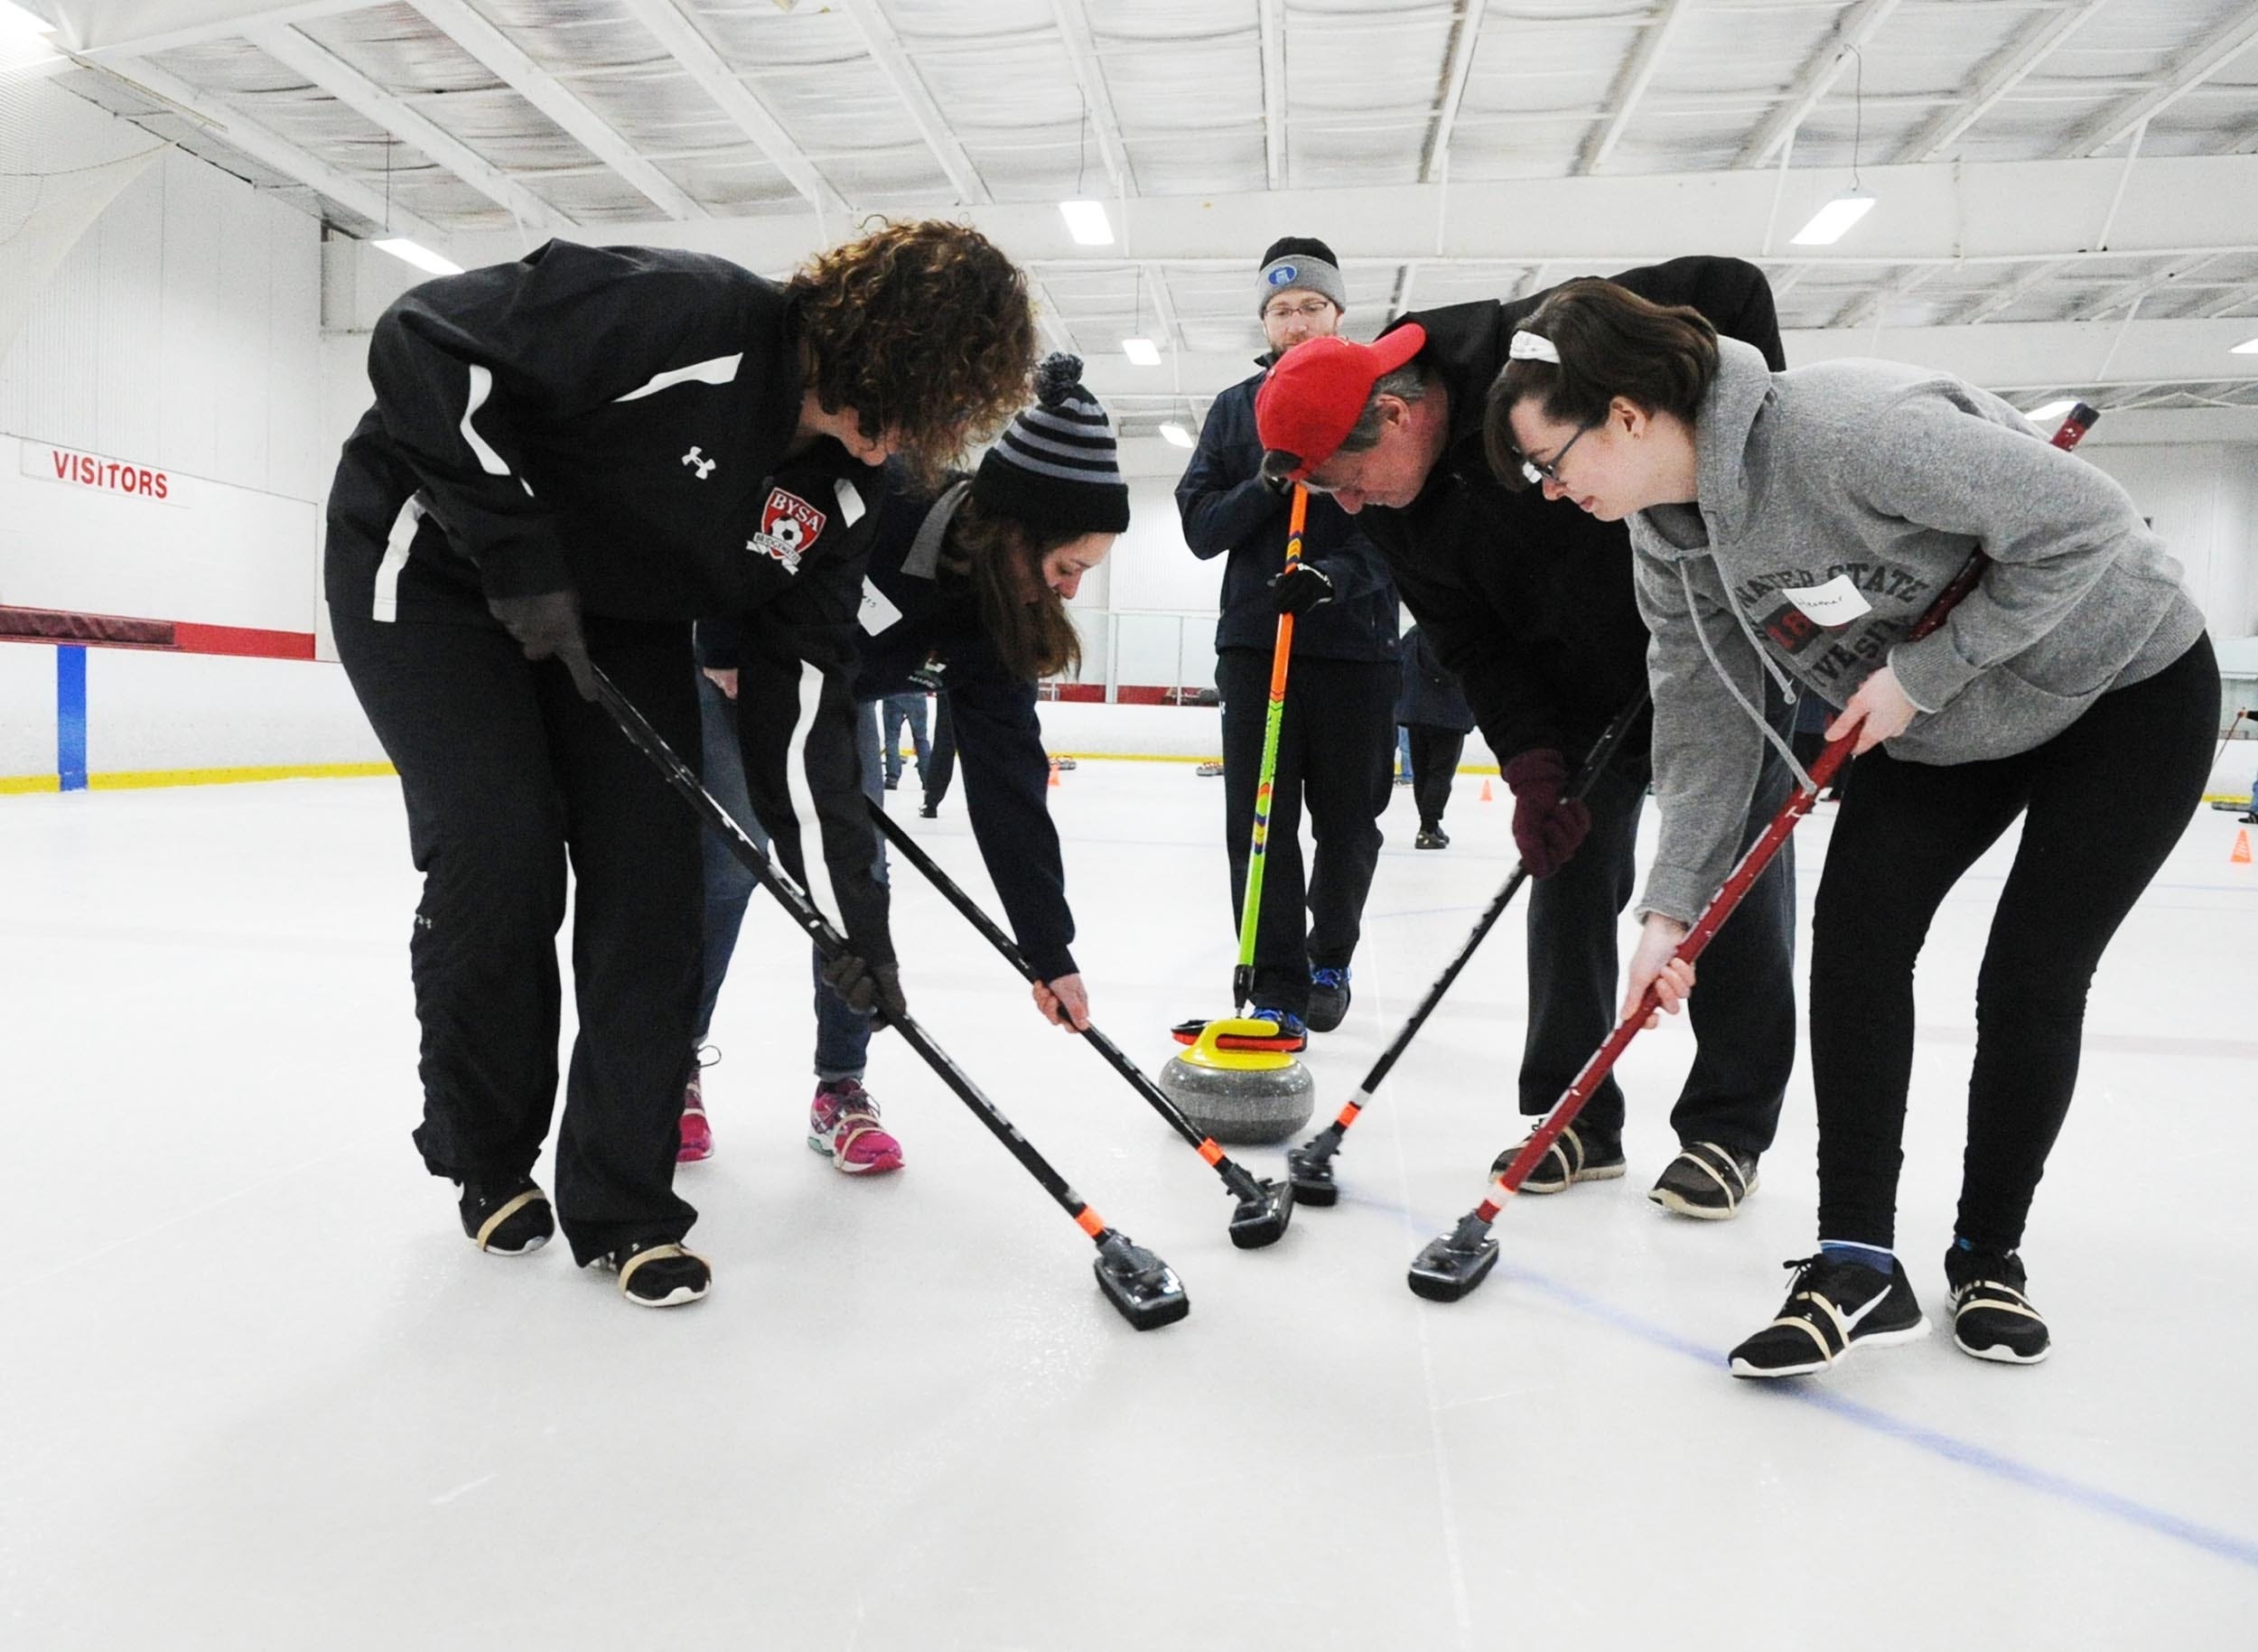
(259, 1392)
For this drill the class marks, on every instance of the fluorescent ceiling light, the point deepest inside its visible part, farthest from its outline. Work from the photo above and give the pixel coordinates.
(1088, 223)
(1175, 434)
(1142, 352)
(2051, 411)
(20, 23)
(2248, 347)
(1830, 222)
(421, 256)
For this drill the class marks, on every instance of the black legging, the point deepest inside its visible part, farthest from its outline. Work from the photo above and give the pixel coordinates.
(2102, 804)
(1434, 759)
(940, 765)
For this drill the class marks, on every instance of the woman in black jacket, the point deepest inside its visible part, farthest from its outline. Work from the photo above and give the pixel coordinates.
(570, 458)
(969, 584)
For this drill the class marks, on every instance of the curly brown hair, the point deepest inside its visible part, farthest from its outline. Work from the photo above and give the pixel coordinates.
(924, 329)
(1024, 619)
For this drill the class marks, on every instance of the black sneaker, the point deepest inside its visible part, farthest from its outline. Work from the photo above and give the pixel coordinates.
(928, 811)
(508, 1219)
(1432, 837)
(1990, 1316)
(893, 782)
(660, 1273)
(1581, 1153)
(1832, 1306)
(1329, 998)
(1705, 1181)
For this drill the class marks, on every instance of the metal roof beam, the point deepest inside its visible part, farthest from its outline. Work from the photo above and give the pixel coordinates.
(2008, 70)
(1818, 76)
(2188, 72)
(349, 86)
(546, 93)
(1630, 86)
(886, 50)
(106, 31)
(1271, 14)
(720, 82)
(1464, 33)
(2014, 293)
(276, 153)
(1074, 29)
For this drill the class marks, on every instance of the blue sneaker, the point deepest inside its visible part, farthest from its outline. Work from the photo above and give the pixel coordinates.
(1329, 998)
(1293, 1032)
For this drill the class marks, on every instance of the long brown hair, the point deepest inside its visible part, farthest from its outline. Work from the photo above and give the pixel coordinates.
(925, 328)
(1003, 556)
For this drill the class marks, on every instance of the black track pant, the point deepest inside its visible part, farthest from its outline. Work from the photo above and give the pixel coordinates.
(1434, 760)
(940, 767)
(1336, 749)
(2102, 803)
(1743, 1014)
(509, 775)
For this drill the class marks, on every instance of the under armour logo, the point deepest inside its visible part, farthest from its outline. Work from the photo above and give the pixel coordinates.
(704, 465)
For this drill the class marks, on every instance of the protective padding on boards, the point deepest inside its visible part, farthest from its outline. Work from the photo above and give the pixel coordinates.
(1240, 1095)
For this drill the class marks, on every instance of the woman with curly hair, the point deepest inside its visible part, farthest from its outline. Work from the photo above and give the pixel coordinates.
(570, 458)
(972, 583)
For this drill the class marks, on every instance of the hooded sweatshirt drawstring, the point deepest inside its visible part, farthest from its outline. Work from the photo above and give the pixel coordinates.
(1786, 685)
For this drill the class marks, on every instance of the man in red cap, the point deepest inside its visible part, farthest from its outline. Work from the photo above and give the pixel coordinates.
(1529, 602)
(1332, 760)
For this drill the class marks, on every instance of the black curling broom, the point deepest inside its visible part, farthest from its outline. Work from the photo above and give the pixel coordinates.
(1264, 1209)
(1142, 1288)
(1311, 1165)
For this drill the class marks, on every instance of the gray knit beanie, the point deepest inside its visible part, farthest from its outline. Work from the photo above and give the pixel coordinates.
(1300, 261)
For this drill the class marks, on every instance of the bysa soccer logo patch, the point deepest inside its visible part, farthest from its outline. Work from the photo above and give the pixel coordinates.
(788, 525)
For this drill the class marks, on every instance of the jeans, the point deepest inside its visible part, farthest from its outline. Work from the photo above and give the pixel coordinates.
(842, 1037)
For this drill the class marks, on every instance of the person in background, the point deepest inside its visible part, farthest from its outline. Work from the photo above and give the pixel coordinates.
(570, 458)
(1795, 526)
(970, 582)
(897, 711)
(1336, 738)
(1433, 713)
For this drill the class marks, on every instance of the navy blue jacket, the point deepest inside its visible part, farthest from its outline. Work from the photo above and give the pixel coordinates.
(1228, 508)
(999, 738)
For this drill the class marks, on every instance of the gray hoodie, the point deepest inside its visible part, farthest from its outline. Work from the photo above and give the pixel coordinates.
(1877, 482)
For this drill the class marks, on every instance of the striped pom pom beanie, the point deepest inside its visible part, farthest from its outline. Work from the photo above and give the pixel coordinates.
(1055, 468)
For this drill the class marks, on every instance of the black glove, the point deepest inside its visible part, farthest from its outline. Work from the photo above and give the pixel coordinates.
(547, 623)
(1280, 484)
(867, 989)
(1301, 588)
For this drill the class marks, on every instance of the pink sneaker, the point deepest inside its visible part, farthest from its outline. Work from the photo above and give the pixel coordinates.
(843, 1121)
(698, 1135)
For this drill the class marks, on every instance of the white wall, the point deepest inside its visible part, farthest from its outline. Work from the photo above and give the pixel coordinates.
(2203, 499)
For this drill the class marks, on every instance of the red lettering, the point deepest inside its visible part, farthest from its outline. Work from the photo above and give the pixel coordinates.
(62, 466)
(148, 481)
(161, 487)
(88, 474)
(111, 475)
(127, 482)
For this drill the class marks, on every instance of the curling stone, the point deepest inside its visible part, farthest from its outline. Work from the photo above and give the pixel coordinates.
(1240, 1095)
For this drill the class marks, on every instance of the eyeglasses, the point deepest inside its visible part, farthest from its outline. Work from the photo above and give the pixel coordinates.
(1308, 310)
(1541, 471)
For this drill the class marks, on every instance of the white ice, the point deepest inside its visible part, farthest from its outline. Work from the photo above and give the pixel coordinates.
(257, 1391)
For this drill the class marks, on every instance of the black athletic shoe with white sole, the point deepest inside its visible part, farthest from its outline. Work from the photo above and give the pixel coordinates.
(660, 1273)
(1705, 1181)
(1832, 1308)
(507, 1219)
(1581, 1154)
(1990, 1316)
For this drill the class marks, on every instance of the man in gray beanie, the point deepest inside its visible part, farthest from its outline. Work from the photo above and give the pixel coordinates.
(1337, 740)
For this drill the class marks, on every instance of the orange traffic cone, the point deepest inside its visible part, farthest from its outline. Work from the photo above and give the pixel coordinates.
(1485, 790)
(1054, 771)
(2241, 855)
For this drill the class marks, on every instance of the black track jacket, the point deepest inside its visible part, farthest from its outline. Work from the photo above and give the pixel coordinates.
(1528, 602)
(615, 420)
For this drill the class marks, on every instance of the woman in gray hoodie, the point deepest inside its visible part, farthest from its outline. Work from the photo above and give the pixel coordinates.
(1799, 523)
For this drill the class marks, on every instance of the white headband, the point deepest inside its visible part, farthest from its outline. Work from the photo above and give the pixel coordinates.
(1533, 347)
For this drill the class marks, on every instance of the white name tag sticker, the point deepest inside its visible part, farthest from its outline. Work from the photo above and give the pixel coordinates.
(877, 613)
(850, 500)
(1836, 603)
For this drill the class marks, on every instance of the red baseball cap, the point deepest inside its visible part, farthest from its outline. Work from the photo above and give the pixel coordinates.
(1312, 399)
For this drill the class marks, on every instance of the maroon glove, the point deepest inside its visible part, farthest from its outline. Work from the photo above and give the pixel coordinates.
(1546, 826)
